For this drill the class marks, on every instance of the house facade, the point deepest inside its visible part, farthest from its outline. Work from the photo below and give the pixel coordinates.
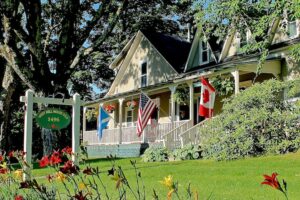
(159, 65)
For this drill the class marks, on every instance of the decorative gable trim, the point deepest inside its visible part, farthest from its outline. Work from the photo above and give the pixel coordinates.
(195, 45)
(123, 66)
(227, 44)
(160, 54)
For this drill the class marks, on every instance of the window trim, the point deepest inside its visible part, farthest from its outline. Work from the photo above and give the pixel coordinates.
(201, 51)
(296, 26)
(144, 75)
(129, 124)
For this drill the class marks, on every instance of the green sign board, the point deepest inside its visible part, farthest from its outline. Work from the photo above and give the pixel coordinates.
(53, 118)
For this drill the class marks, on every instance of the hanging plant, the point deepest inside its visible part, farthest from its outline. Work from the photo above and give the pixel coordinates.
(131, 104)
(110, 108)
(181, 96)
(223, 86)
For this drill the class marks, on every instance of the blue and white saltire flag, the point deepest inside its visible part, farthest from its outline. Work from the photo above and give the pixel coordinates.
(103, 120)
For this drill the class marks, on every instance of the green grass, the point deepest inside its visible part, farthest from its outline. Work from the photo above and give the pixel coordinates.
(231, 180)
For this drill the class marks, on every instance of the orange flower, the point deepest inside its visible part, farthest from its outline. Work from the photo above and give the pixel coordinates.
(19, 197)
(272, 181)
(44, 162)
(67, 150)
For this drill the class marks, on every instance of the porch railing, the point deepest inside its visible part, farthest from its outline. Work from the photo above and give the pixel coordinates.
(193, 135)
(111, 136)
(171, 139)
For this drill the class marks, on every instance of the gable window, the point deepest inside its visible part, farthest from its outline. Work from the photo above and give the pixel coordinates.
(292, 29)
(144, 74)
(204, 53)
(290, 25)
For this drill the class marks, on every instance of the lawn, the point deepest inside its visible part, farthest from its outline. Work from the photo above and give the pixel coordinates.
(238, 179)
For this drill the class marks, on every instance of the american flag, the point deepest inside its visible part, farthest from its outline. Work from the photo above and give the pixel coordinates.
(146, 108)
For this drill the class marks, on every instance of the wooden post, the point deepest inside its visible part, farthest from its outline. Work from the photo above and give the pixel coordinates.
(191, 86)
(84, 120)
(27, 148)
(120, 119)
(236, 76)
(173, 89)
(76, 128)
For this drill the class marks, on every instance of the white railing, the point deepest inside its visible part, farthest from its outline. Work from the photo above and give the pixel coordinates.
(171, 139)
(152, 133)
(90, 137)
(193, 134)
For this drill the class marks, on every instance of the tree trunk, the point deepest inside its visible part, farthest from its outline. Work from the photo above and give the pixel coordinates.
(8, 84)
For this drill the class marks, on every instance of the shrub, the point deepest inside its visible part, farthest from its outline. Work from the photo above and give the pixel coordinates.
(255, 122)
(188, 152)
(153, 154)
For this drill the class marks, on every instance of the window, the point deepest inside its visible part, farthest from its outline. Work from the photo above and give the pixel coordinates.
(243, 39)
(292, 29)
(204, 53)
(144, 74)
(129, 117)
(290, 25)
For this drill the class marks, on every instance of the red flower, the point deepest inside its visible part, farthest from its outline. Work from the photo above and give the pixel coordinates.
(11, 154)
(1, 158)
(49, 178)
(3, 170)
(80, 196)
(271, 181)
(69, 168)
(24, 184)
(19, 197)
(55, 158)
(67, 150)
(87, 171)
(44, 162)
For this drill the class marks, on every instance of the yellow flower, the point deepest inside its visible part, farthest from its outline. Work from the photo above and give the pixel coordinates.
(169, 196)
(3, 165)
(168, 182)
(117, 178)
(60, 176)
(81, 186)
(18, 173)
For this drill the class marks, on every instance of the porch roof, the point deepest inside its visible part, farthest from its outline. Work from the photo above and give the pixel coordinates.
(130, 93)
(225, 67)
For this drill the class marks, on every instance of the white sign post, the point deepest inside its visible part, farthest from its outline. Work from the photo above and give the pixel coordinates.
(29, 100)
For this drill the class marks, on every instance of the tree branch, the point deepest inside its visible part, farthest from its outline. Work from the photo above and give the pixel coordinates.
(99, 40)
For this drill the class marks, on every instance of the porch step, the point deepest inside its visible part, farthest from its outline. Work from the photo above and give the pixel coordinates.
(118, 150)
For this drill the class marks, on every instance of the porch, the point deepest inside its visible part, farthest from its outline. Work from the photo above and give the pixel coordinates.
(151, 134)
(170, 129)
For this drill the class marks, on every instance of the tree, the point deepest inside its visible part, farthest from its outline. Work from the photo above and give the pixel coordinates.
(64, 46)
(220, 18)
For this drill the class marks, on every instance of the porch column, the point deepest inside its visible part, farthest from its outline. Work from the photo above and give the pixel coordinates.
(236, 75)
(173, 90)
(99, 110)
(120, 119)
(84, 120)
(191, 86)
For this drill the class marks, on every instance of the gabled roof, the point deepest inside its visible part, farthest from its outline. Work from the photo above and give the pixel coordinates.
(174, 49)
(214, 45)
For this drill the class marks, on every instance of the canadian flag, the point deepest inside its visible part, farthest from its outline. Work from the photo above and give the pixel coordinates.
(207, 100)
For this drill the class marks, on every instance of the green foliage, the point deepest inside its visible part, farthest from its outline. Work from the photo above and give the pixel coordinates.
(219, 18)
(224, 86)
(154, 154)
(188, 152)
(181, 96)
(255, 122)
